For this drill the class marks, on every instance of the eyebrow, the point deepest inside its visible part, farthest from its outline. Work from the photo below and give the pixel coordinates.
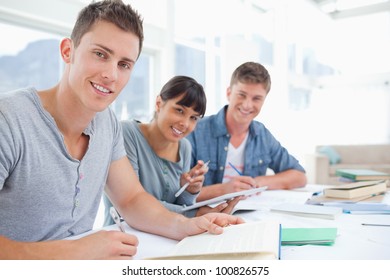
(110, 51)
(186, 108)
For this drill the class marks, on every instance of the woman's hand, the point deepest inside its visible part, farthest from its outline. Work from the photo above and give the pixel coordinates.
(195, 177)
(225, 207)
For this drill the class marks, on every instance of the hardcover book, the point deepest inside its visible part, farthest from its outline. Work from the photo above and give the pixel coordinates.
(362, 174)
(305, 236)
(357, 189)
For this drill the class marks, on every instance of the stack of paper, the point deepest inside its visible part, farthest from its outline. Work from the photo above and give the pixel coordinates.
(361, 207)
(307, 210)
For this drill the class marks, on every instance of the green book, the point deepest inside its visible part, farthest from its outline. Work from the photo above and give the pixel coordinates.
(362, 174)
(305, 236)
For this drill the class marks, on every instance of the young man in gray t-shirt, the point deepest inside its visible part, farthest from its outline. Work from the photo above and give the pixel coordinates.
(61, 146)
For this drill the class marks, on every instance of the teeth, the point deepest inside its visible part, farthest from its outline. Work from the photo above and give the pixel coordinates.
(177, 131)
(245, 112)
(102, 89)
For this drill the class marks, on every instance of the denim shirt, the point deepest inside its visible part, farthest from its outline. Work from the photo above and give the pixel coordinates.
(210, 141)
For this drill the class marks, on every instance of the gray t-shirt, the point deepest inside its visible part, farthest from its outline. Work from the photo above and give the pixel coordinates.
(46, 194)
(158, 176)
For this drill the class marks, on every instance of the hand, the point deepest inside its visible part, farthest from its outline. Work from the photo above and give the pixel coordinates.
(225, 207)
(239, 183)
(195, 176)
(100, 245)
(107, 245)
(211, 222)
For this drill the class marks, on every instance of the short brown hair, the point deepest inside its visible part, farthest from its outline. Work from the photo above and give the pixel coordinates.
(253, 73)
(113, 11)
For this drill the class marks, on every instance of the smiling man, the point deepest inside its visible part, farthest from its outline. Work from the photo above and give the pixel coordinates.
(62, 146)
(240, 149)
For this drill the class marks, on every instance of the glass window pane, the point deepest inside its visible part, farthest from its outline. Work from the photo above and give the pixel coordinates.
(190, 62)
(31, 58)
(133, 102)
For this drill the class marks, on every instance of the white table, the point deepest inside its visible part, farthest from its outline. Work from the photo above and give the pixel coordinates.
(354, 241)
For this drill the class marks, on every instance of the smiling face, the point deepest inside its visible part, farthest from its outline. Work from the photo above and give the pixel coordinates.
(173, 120)
(100, 66)
(245, 102)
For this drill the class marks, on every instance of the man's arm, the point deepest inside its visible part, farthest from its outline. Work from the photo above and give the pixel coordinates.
(100, 245)
(237, 184)
(286, 180)
(142, 211)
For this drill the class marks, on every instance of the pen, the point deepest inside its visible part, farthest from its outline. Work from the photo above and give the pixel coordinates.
(376, 225)
(188, 183)
(115, 217)
(238, 171)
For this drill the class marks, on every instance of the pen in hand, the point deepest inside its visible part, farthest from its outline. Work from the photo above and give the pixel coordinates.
(182, 189)
(235, 168)
(238, 171)
(115, 216)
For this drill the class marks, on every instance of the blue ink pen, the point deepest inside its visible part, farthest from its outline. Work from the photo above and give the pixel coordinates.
(235, 168)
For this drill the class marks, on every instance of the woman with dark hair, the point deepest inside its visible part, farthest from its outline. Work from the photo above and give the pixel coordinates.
(161, 155)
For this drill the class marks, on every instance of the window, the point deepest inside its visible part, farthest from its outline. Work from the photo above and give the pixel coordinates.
(134, 101)
(31, 58)
(190, 62)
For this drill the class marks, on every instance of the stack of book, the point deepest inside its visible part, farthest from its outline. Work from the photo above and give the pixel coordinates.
(353, 175)
(364, 197)
(362, 189)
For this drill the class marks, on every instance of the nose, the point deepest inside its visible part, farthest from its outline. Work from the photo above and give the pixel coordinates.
(247, 103)
(110, 72)
(184, 122)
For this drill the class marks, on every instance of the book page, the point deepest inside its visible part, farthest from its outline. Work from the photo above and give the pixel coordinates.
(244, 238)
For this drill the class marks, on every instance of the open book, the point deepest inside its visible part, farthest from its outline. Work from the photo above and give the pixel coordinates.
(224, 197)
(248, 241)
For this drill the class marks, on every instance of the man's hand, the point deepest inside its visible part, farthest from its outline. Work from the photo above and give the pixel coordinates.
(239, 183)
(102, 245)
(211, 222)
(107, 245)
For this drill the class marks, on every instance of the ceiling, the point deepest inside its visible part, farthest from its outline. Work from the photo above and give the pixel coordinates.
(339, 9)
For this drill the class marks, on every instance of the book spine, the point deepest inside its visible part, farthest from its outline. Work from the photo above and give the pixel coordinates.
(345, 175)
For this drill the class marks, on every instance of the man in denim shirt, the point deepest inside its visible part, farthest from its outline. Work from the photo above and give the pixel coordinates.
(240, 149)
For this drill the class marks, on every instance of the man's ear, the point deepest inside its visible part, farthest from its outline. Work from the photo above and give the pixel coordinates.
(66, 47)
(228, 93)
